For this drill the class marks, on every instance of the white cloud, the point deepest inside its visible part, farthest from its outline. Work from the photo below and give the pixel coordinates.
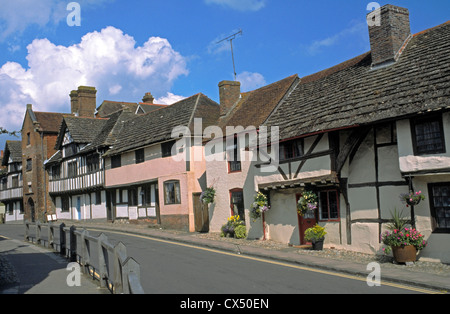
(108, 60)
(240, 5)
(113, 90)
(250, 81)
(169, 99)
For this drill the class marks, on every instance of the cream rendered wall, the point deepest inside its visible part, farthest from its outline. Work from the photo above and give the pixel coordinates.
(438, 248)
(217, 175)
(438, 244)
(282, 219)
(409, 162)
(370, 164)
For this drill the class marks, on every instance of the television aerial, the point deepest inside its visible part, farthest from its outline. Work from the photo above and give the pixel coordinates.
(230, 39)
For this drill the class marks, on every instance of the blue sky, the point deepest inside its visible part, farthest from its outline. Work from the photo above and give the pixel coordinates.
(169, 48)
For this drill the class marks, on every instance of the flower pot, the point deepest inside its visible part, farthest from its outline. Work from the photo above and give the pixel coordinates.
(404, 254)
(413, 203)
(317, 245)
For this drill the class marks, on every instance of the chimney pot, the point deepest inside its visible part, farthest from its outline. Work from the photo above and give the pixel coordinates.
(390, 35)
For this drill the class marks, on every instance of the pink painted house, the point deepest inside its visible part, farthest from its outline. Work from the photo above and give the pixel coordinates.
(147, 178)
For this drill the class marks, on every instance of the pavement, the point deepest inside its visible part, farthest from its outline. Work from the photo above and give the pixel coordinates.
(31, 269)
(405, 276)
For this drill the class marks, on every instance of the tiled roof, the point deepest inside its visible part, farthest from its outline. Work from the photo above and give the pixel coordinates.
(157, 125)
(256, 106)
(13, 150)
(108, 107)
(49, 121)
(353, 94)
(110, 130)
(82, 130)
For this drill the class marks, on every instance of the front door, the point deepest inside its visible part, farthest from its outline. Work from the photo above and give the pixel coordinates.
(308, 220)
(201, 214)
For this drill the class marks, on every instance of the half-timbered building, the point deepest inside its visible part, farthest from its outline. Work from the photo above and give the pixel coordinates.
(11, 181)
(360, 134)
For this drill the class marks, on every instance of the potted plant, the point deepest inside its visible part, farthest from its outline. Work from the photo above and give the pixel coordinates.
(316, 235)
(207, 196)
(229, 229)
(404, 244)
(308, 201)
(397, 221)
(259, 206)
(412, 198)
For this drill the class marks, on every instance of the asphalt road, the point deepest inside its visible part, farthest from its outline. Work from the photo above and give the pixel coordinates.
(174, 268)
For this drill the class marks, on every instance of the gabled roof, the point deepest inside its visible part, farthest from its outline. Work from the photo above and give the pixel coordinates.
(256, 106)
(49, 122)
(107, 136)
(13, 150)
(352, 94)
(157, 125)
(108, 107)
(82, 130)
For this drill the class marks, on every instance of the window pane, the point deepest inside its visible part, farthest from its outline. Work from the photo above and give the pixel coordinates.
(328, 205)
(333, 203)
(116, 161)
(441, 205)
(140, 157)
(172, 192)
(429, 138)
(291, 149)
(166, 149)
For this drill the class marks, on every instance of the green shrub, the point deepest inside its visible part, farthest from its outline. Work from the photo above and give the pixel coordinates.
(240, 232)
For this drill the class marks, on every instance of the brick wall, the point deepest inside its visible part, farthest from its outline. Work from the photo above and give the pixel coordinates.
(229, 93)
(388, 38)
(35, 181)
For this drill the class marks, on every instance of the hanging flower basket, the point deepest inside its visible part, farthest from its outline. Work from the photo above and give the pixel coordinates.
(207, 196)
(260, 205)
(412, 198)
(307, 202)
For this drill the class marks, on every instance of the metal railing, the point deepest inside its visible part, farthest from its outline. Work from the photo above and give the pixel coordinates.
(97, 257)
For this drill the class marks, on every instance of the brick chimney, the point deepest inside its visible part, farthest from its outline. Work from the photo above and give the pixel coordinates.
(84, 102)
(148, 98)
(229, 93)
(389, 34)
